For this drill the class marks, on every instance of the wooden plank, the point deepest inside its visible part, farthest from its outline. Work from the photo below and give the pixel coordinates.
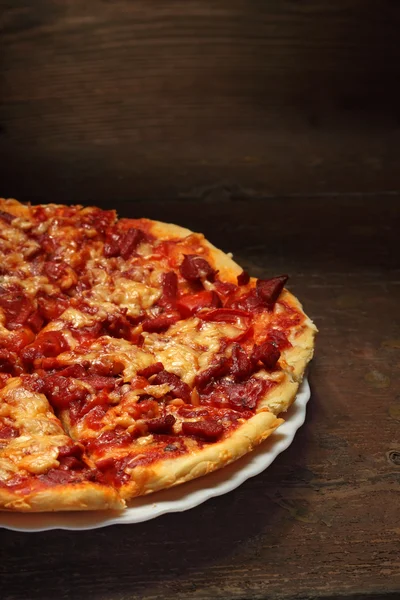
(138, 99)
(322, 521)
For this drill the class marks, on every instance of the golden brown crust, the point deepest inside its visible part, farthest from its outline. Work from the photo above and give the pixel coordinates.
(77, 496)
(171, 472)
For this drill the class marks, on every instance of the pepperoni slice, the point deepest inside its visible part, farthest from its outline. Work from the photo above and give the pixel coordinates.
(195, 268)
(268, 290)
(169, 284)
(16, 305)
(52, 307)
(7, 432)
(161, 425)
(61, 391)
(190, 304)
(72, 450)
(122, 244)
(130, 241)
(48, 343)
(267, 353)
(35, 321)
(179, 388)
(118, 326)
(117, 437)
(207, 430)
(151, 370)
(214, 371)
(224, 288)
(241, 396)
(160, 323)
(111, 244)
(243, 278)
(242, 366)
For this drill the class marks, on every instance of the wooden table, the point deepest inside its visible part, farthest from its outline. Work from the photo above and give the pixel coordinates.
(323, 520)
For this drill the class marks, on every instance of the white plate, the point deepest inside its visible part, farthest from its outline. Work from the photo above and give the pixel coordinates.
(180, 498)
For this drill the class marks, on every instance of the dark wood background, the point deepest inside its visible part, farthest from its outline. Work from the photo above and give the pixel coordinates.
(157, 99)
(205, 105)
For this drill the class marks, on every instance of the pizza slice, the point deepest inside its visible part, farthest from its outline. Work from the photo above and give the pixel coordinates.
(41, 468)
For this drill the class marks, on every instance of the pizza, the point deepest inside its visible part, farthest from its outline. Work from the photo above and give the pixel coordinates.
(134, 356)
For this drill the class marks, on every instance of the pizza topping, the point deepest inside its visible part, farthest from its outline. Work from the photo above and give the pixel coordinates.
(169, 284)
(268, 290)
(267, 353)
(62, 476)
(190, 304)
(179, 389)
(130, 241)
(224, 288)
(190, 412)
(50, 307)
(61, 273)
(161, 425)
(122, 244)
(74, 449)
(160, 323)
(97, 219)
(35, 321)
(115, 437)
(194, 268)
(218, 369)
(61, 391)
(151, 370)
(118, 326)
(8, 361)
(226, 315)
(243, 278)
(16, 305)
(279, 339)
(48, 343)
(94, 416)
(240, 396)
(7, 217)
(100, 382)
(208, 430)
(8, 432)
(242, 366)
(246, 335)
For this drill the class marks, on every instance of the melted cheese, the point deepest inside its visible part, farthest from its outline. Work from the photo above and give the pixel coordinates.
(132, 295)
(36, 449)
(188, 346)
(118, 355)
(176, 357)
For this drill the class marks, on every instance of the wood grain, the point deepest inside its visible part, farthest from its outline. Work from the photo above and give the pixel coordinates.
(147, 100)
(320, 523)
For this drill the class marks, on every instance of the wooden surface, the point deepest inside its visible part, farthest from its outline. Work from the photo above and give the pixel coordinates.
(323, 520)
(140, 99)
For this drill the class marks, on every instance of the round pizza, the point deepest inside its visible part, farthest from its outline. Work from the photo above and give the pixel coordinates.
(134, 356)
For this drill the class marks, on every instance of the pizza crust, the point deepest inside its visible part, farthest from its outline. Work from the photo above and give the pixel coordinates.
(78, 496)
(171, 472)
